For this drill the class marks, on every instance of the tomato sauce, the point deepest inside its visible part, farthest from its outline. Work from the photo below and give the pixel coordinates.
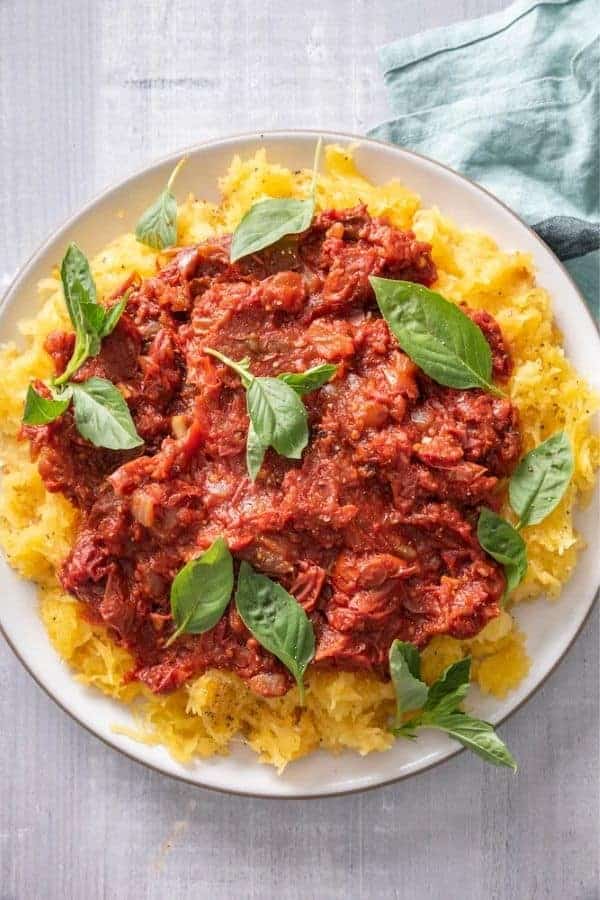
(373, 530)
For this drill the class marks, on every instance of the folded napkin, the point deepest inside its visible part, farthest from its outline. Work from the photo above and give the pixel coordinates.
(512, 101)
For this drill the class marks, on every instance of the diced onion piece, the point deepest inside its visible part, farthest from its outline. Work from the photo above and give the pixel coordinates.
(142, 507)
(179, 426)
(158, 620)
(336, 230)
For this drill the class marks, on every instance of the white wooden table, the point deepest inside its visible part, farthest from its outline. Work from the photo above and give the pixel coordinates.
(89, 91)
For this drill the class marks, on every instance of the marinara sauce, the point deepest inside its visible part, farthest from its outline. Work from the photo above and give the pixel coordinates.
(373, 531)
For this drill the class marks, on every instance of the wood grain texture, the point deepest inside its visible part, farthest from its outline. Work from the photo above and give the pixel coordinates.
(89, 91)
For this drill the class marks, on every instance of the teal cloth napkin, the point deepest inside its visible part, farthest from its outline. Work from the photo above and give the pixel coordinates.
(512, 101)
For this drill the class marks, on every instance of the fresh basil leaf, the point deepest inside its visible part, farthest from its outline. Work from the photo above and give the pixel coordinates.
(111, 317)
(449, 703)
(78, 286)
(42, 410)
(157, 227)
(102, 416)
(311, 379)
(276, 620)
(201, 591)
(276, 412)
(476, 735)
(93, 317)
(267, 221)
(405, 667)
(85, 312)
(278, 415)
(538, 483)
(444, 342)
(255, 453)
(408, 654)
(451, 687)
(504, 544)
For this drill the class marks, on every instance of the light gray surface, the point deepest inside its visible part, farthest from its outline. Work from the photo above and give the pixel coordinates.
(89, 91)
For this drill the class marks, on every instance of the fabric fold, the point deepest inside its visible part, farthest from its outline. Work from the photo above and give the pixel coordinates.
(512, 101)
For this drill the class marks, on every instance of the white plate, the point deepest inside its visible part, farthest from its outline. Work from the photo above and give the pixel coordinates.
(550, 627)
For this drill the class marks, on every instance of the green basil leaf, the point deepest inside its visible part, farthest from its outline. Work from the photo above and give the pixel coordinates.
(267, 221)
(255, 453)
(408, 654)
(157, 227)
(42, 410)
(504, 544)
(444, 342)
(276, 620)
(311, 379)
(452, 686)
(201, 591)
(449, 703)
(278, 415)
(102, 416)
(93, 317)
(111, 316)
(78, 286)
(476, 735)
(538, 483)
(86, 314)
(405, 667)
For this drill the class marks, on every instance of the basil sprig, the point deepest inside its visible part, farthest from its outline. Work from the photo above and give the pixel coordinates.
(444, 342)
(278, 417)
(91, 321)
(157, 226)
(100, 412)
(267, 221)
(201, 591)
(276, 620)
(439, 705)
(536, 488)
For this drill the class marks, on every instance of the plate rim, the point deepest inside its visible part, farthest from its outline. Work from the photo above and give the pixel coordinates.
(259, 137)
